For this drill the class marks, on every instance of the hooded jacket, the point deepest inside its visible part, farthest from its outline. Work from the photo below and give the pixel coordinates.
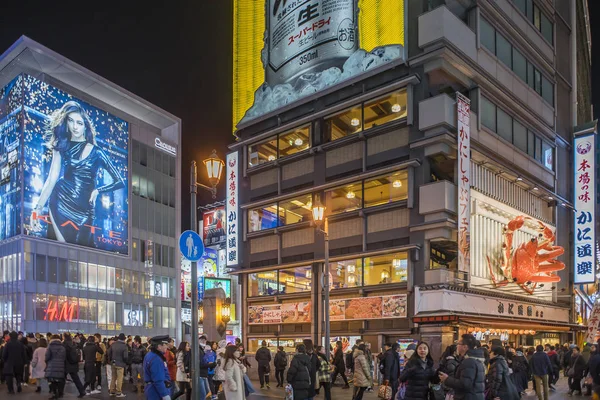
(418, 374)
(71, 355)
(362, 371)
(56, 360)
(14, 356)
(497, 379)
(89, 352)
(468, 381)
(298, 376)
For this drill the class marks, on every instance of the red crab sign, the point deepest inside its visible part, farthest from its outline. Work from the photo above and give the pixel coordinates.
(532, 262)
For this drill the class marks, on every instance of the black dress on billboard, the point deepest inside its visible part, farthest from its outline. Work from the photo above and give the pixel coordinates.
(69, 201)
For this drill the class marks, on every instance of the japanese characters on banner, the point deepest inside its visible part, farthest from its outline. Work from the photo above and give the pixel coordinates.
(585, 196)
(231, 207)
(463, 108)
(593, 323)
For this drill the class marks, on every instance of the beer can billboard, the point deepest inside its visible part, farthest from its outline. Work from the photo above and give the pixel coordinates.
(285, 50)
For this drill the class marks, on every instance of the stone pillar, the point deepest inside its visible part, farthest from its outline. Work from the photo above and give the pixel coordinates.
(438, 337)
(214, 328)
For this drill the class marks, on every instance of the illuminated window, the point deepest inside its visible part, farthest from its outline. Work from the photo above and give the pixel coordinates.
(343, 124)
(295, 210)
(389, 268)
(385, 109)
(344, 198)
(345, 274)
(386, 189)
(263, 152)
(262, 218)
(294, 141)
(263, 284)
(295, 280)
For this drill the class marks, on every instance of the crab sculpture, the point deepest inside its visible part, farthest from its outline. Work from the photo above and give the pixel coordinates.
(533, 262)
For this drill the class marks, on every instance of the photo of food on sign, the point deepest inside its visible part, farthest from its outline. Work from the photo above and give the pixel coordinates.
(394, 306)
(363, 308)
(337, 309)
(295, 312)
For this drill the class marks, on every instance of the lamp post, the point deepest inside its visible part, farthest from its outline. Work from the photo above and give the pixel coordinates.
(214, 168)
(320, 221)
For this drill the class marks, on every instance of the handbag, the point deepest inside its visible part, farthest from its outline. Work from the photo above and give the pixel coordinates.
(401, 392)
(384, 392)
(570, 372)
(436, 392)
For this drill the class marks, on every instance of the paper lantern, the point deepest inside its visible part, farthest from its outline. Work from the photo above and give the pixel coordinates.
(521, 332)
(510, 331)
(471, 329)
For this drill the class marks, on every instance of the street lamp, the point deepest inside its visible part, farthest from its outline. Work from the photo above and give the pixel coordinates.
(214, 169)
(321, 221)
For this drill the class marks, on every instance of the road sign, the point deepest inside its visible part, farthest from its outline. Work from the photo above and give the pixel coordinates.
(191, 246)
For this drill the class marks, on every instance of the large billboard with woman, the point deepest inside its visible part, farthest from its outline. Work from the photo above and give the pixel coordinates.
(75, 170)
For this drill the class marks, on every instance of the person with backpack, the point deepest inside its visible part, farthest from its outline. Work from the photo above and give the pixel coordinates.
(298, 374)
(324, 374)
(338, 363)
(263, 358)
(520, 368)
(89, 365)
(499, 385)
(280, 363)
(73, 355)
(555, 361)
(138, 352)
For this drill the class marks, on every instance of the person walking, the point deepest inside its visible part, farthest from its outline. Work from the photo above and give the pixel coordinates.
(30, 344)
(298, 374)
(107, 363)
(324, 372)
(541, 368)
(339, 366)
(56, 366)
(594, 371)
(520, 368)
(263, 358)
(14, 357)
(211, 358)
(391, 373)
(98, 364)
(280, 362)
(89, 365)
(155, 372)
(118, 357)
(138, 352)
(419, 373)
(183, 371)
(38, 363)
(575, 372)
(234, 369)
(369, 357)
(499, 385)
(468, 382)
(219, 372)
(555, 362)
(448, 363)
(314, 367)
(362, 379)
(72, 365)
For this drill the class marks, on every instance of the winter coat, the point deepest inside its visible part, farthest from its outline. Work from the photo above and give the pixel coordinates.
(280, 361)
(498, 374)
(578, 364)
(182, 367)
(56, 360)
(171, 364)
(586, 353)
(468, 381)
(233, 385)
(391, 371)
(520, 368)
(594, 367)
(28, 350)
(14, 356)
(540, 364)
(567, 358)
(418, 374)
(338, 360)
(71, 356)
(298, 376)
(38, 363)
(89, 353)
(554, 361)
(118, 354)
(314, 368)
(219, 372)
(362, 372)
(263, 357)
(449, 365)
(137, 354)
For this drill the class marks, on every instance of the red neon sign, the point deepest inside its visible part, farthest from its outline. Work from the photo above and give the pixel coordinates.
(66, 314)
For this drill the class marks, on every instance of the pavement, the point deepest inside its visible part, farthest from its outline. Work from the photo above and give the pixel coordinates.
(273, 393)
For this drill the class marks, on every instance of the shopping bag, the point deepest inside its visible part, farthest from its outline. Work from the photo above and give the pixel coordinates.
(436, 392)
(289, 392)
(401, 394)
(384, 392)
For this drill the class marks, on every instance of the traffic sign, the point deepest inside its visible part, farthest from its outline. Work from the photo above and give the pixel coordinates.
(191, 246)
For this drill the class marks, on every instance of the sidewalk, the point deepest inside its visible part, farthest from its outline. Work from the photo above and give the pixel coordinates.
(337, 393)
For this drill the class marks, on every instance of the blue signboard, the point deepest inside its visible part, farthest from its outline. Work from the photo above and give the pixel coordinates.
(191, 246)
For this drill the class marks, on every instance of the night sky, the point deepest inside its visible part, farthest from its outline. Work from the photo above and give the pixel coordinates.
(177, 56)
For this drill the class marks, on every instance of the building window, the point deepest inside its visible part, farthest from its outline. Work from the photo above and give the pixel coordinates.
(487, 35)
(263, 284)
(520, 136)
(537, 17)
(504, 125)
(488, 114)
(40, 268)
(295, 280)
(295, 210)
(389, 268)
(262, 218)
(344, 198)
(294, 141)
(386, 189)
(547, 90)
(345, 274)
(503, 50)
(263, 152)
(547, 28)
(519, 64)
(385, 109)
(344, 124)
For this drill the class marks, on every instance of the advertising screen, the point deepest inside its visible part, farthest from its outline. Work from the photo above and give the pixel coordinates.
(10, 158)
(286, 50)
(75, 170)
(214, 224)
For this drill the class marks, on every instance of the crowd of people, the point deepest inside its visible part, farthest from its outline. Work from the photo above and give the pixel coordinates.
(467, 370)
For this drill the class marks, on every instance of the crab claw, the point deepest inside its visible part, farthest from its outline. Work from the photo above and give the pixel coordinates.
(517, 223)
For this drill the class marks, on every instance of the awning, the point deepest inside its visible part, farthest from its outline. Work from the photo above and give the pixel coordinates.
(499, 324)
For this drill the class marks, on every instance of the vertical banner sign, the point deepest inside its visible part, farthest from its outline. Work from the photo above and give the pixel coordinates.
(463, 108)
(593, 323)
(233, 225)
(585, 182)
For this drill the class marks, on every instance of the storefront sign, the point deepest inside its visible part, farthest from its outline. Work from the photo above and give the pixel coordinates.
(593, 323)
(167, 148)
(232, 208)
(463, 107)
(287, 313)
(213, 226)
(584, 235)
(66, 314)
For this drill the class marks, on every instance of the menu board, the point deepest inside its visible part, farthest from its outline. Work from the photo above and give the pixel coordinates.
(358, 308)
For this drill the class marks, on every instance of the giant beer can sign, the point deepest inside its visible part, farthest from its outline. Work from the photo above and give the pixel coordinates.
(306, 36)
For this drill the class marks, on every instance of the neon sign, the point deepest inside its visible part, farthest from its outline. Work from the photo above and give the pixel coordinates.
(66, 313)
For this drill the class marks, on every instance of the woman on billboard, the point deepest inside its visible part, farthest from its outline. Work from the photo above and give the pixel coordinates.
(72, 197)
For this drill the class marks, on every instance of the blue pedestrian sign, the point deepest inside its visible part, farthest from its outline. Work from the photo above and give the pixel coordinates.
(191, 246)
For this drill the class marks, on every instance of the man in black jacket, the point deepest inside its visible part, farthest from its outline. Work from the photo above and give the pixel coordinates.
(468, 381)
(14, 358)
(263, 358)
(90, 349)
(138, 352)
(72, 366)
(203, 370)
(338, 363)
(391, 372)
